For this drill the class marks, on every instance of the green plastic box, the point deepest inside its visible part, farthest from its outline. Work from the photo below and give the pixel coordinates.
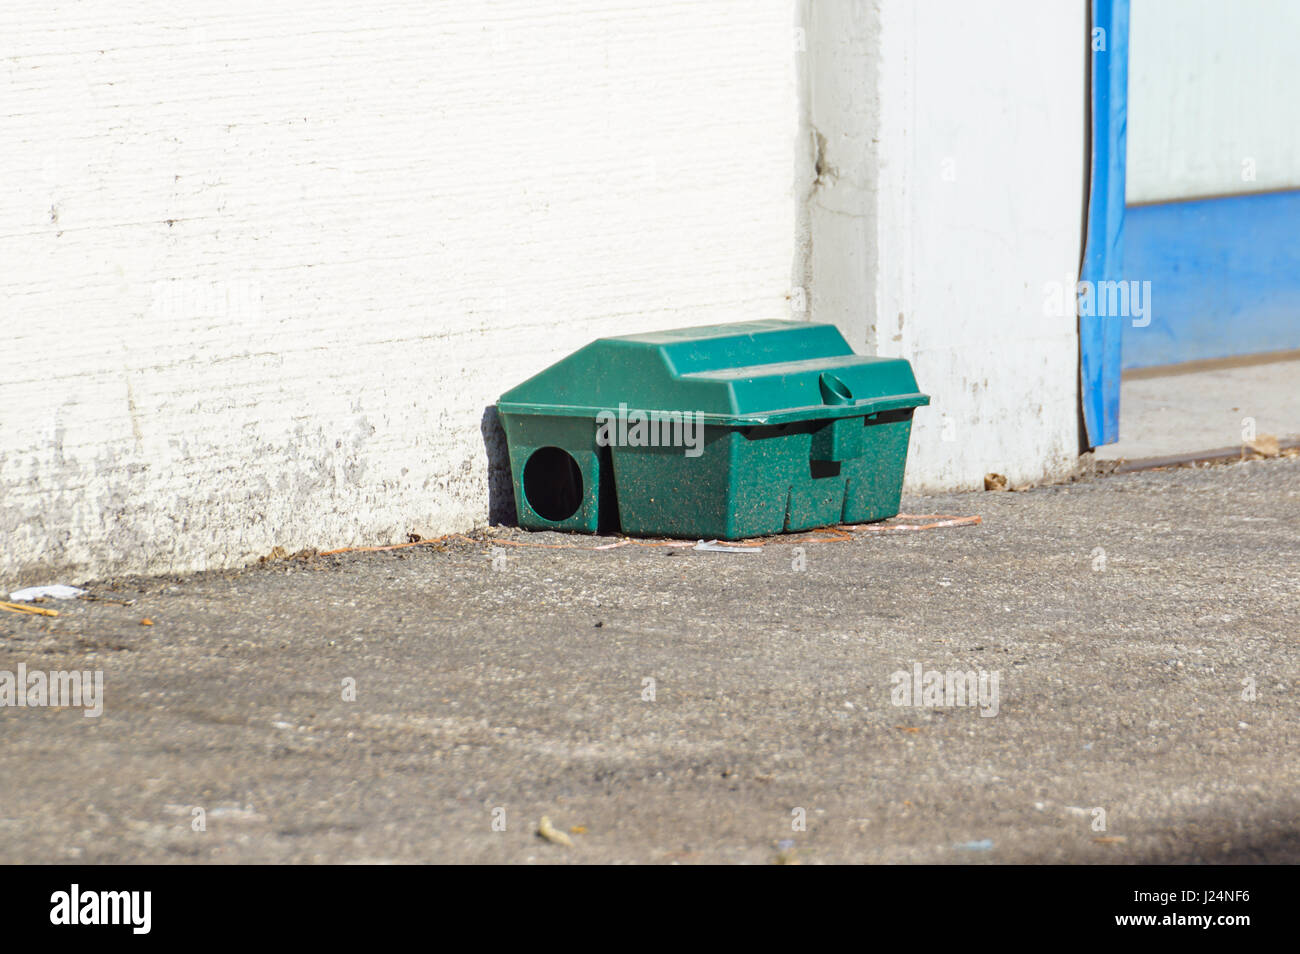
(721, 432)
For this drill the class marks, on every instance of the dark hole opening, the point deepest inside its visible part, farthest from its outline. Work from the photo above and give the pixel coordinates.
(888, 417)
(553, 484)
(824, 468)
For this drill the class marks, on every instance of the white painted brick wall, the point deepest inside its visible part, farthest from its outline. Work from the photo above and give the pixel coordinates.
(263, 269)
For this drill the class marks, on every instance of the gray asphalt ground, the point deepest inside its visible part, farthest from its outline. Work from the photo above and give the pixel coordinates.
(1121, 613)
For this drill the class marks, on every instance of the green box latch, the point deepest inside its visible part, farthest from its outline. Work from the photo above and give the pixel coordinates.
(721, 432)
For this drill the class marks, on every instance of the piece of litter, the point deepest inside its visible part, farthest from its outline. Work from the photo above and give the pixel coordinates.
(552, 834)
(1110, 839)
(984, 845)
(995, 482)
(28, 610)
(1265, 445)
(92, 598)
(57, 591)
(934, 521)
(785, 853)
(577, 829)
(713, 546)
(146, 621)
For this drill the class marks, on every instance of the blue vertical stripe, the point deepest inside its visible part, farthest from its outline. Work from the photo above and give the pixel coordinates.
(1100, 338)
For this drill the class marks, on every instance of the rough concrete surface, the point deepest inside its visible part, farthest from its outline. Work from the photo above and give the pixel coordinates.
(1122, 615)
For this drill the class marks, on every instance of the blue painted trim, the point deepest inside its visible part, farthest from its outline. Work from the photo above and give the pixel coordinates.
(1224, 273)
(1100, 338)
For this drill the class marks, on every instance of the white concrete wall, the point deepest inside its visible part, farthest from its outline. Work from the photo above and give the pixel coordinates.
(1212, 98)
(949, 207)
(263, 266)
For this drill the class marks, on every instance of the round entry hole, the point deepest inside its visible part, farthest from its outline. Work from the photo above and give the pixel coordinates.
(553, 484)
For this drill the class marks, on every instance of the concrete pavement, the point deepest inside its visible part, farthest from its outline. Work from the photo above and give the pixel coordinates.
(673, 705)
(1173, 410)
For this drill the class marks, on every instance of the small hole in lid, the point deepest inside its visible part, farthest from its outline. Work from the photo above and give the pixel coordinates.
(834, 391)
